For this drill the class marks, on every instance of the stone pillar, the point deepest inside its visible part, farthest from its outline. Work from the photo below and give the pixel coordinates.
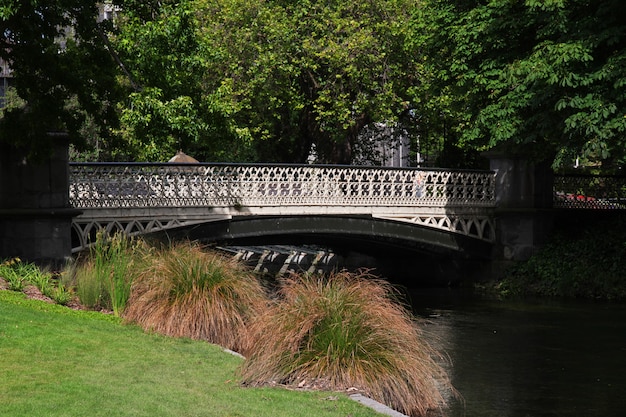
(35, 215)
(523, 205)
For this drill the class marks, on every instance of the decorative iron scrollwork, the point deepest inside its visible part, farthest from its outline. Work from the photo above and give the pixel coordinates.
(202, 185)
(141, 198)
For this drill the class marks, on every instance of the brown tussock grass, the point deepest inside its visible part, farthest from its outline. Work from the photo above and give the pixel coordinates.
(349, 331)
(187, 291)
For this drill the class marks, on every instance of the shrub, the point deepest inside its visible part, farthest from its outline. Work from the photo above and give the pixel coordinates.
(589, 263)
(18, 274)
(60, 294)
(89, 288)
(188, 292)
(345, 331)
(43, 281)
(104, 279)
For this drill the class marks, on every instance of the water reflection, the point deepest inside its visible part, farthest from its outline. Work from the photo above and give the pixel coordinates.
(531, 359)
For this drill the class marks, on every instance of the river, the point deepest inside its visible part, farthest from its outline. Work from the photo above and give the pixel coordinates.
(527, 358)
(531, 358)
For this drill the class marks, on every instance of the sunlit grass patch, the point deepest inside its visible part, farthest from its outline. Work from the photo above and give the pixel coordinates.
(62, 362)
(346, 331)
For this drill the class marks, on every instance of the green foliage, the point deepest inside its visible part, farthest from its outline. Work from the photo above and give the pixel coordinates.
(7, 9)
(61, 295)
(11, 101)
(89, 290)
(19, 274)
(42, 280)
(234, 80)
(104, 280)
(16, 273)
(346, 331)
(241, 80)
(590, 264)
(169, 106)
(542, 76)
(61, 68)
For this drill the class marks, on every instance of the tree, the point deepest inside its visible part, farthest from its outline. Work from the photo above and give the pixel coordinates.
(169, 101)
(542, 76)
(264, 80)
(62, 70)
(312, 73)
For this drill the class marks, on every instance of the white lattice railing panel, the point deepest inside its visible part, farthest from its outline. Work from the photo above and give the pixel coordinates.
(220, 185)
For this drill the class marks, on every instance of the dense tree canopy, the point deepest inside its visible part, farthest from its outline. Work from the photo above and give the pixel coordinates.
(267, 80)
(546, 77)
(168, 106)
(61, 69)
(264, 80)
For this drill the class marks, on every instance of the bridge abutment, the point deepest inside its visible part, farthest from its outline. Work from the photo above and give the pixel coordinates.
(35, 214)
(523, 207)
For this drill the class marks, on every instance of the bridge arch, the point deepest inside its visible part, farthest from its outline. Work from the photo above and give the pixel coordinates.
(334, 231)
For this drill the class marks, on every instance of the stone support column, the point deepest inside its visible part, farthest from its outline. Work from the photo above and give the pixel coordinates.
(524, 203)
(35, 215)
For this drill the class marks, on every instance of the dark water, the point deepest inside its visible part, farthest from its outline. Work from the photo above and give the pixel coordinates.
(529, 359)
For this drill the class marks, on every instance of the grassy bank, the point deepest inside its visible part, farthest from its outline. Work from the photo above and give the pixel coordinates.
(341, 333)
(61, 362)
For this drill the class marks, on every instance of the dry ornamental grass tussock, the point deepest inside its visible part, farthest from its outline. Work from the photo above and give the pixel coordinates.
(350, 332)
(188, 292)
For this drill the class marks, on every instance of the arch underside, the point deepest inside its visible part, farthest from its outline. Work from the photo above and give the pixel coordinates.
(471, 236)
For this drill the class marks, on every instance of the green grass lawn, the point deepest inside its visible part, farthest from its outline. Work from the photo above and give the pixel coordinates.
(55, 361)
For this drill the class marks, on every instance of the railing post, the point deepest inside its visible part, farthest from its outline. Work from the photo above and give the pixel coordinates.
(35, 214)
(523, 203)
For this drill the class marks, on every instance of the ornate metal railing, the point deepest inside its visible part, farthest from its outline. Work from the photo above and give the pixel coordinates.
(590, 192)
(135, 185)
